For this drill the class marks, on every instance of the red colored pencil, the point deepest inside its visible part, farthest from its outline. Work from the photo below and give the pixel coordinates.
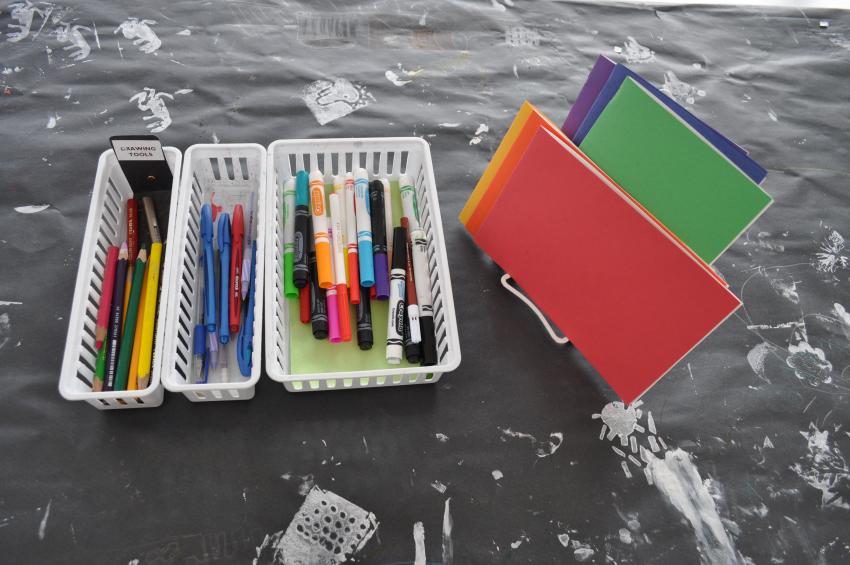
(132, 230)
(105, 296)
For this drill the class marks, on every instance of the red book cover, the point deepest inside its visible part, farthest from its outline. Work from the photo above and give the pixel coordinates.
(629, 296)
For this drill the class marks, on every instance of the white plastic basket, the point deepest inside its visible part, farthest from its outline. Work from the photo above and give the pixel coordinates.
(106, 226)
(222, 168)
(382, 157)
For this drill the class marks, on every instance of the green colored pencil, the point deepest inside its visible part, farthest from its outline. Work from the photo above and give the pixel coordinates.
(126, 352)
(99, 369)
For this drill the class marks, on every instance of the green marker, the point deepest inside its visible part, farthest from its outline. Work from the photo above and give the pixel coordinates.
(126, 351)
(288, 215)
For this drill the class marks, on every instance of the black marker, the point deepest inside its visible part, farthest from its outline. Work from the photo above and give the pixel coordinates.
(318, 303)
(398, 312)
(379, 238)
(364, 321)
(300, 272)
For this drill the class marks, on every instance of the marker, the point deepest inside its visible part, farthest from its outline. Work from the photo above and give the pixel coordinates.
(379, 239)
(209, 268)
(351, 240)
(237, 231)
(300, 273)
(320, 229)
(245, 338)
(388, 215)
(224, 277)
(333, 304)
(397, 313)
(289, 288)
(422, 275)
(412, 335)
(114, 334)
(246, 252)
(364, 228)
(304, 304)
(106, 296)
(364, 322)
(339, 268)
(318, 306)
(125, 353)
(151, 292)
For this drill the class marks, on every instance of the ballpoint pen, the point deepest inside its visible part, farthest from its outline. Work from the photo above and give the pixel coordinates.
(224, 277)
(246, 253)
(245, 340)
(199, 345)
(209, 267)
(237, 229)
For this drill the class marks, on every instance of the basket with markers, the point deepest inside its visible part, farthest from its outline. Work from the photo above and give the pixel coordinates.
(357, 280)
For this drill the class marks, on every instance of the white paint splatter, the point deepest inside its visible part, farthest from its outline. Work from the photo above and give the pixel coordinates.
(439, 487)
(767, 443)
(564, 539)
(831, 256)
(542, 448)
(51, 120)
(32, 209)
(184, 91)
(786, 289)
(824, 468)
(441, 437)
(141, 33)
(498, 7)
(479, 134)
(185, 32)
(448, 544)
(133, 562)
(42, 527)
(78, 46)
(625, 536)
(839, 41)
(843, 318)
(9, 303)
(419, 541)
(449, 124)
(772, 115)
(395, 79)
(678, 89)
(679, 482)
(215, 138)
(582, 554)
(305, 541)
(519, 36)
(809, 364)
(305, 486)
(497, 474)
(331, 99)
(149, 100)
(522, 539)
(635, 52)
(5, 329)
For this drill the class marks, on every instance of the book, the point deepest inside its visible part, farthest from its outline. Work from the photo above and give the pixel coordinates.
(630, 297)
(667, 166)
(596, 80)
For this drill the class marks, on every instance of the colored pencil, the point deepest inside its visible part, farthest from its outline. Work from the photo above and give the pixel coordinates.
(130, 315)
(146, 348)
(114, 335)
(106, 296)
(133, 376)
(99, 370)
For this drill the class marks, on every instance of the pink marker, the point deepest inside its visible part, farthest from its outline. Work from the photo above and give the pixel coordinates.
(333, 308)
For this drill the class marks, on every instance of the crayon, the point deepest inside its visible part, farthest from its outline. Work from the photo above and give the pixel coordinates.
(339, 268)
(289, 288)
(364, 228)
(113, 340)
(379, 239)
(237, 234)
(104, 309)
(320, 229)
(351, 240)
(421, 273)
(331, 294)
(364, 322)
(397, 312)
(318, 305)
(125, 352)
(302, 236)
(152, 290)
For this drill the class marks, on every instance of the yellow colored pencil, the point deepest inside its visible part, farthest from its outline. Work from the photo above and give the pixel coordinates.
(133, 377)
(146, 348)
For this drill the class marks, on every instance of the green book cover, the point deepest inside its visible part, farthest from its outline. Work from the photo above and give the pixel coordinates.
(682, 180)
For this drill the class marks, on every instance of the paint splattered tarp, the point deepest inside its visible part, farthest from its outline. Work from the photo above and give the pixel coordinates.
(739, 455)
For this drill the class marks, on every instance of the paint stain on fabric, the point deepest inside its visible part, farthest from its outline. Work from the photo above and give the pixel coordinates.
(824, 468)
(542, 448)
(333, 98)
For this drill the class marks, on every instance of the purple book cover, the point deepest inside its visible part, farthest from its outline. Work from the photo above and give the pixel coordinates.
(597, 78)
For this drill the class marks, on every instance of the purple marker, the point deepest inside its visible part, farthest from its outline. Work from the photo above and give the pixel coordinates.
(379, 240)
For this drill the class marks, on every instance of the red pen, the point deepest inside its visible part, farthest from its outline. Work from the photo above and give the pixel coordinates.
(237, 232)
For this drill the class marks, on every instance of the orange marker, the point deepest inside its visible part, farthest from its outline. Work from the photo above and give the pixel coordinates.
(320, 229)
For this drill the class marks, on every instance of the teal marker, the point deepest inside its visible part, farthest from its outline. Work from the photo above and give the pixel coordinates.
(364, 228)
(302, 236)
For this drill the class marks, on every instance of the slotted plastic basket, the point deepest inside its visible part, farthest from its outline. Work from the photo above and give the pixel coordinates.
(106, 226)
(381, 157)
(229, 170)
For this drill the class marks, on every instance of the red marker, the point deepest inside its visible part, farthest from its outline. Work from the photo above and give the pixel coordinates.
(304, 304)
(237, 232)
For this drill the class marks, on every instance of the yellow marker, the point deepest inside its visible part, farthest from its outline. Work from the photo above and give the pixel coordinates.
(146, 349)
(320, 229)
(133, 377)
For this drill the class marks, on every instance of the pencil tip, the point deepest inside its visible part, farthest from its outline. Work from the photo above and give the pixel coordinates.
(124, 247)
(143, 255)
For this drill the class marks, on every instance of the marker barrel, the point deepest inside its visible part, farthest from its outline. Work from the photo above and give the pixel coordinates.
(364, 228)
(304, 304)
(365, 338)
(397, 311)
(289, 288)
(337, 244)
(379, 239)
(351, 240)
(318, 305)
(302, 235)
(320, 230)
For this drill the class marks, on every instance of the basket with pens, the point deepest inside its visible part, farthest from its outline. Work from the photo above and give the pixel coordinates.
(358, 289)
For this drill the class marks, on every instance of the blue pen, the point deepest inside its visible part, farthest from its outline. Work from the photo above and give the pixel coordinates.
(209, 267)
(224, 277)
(199, 345)
(245, 341)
